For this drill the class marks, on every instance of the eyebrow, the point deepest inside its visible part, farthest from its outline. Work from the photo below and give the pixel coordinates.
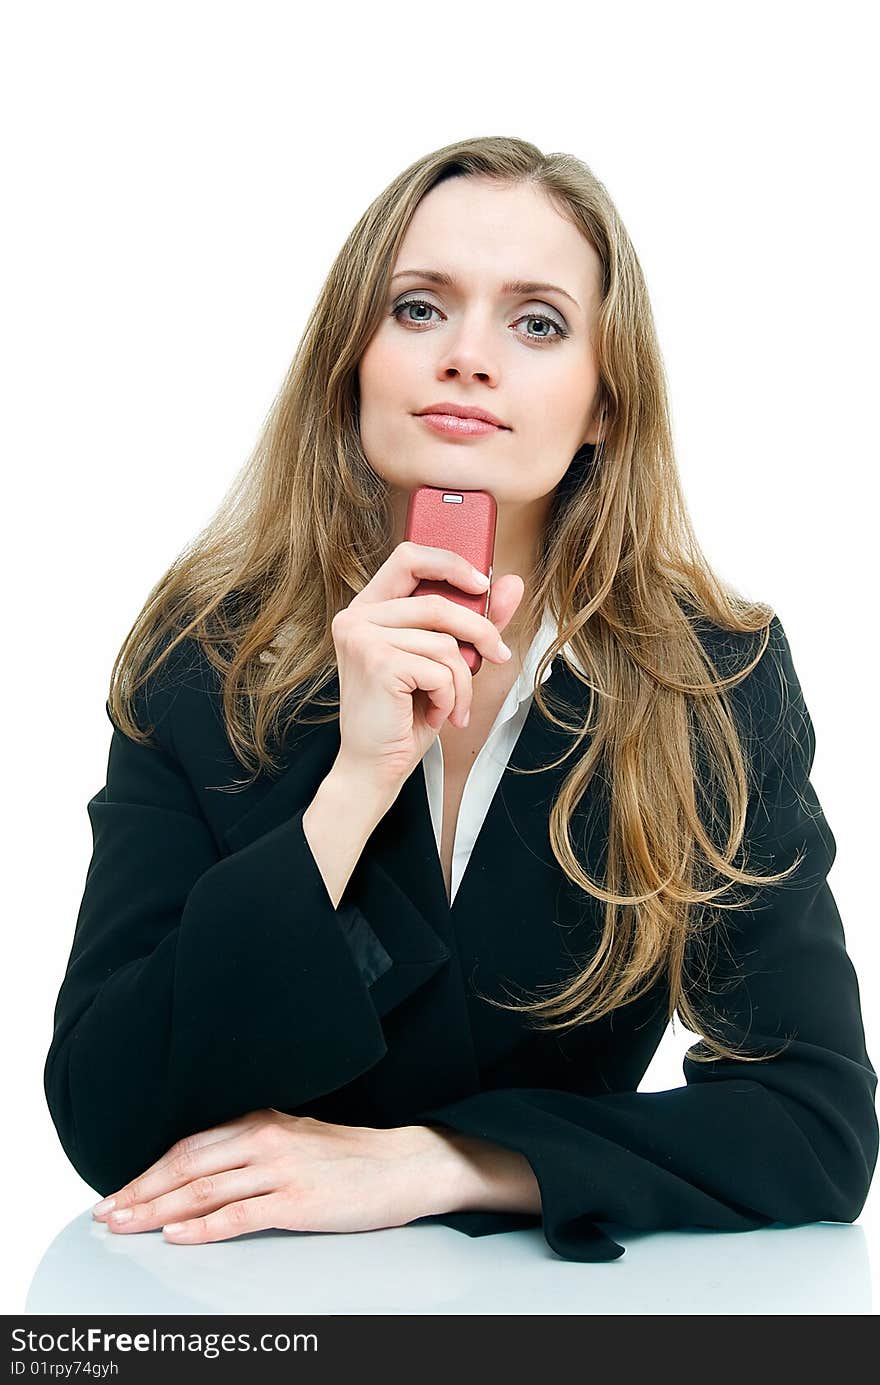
(513, 286)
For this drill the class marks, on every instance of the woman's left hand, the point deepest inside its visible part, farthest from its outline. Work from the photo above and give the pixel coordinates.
(268, 1169)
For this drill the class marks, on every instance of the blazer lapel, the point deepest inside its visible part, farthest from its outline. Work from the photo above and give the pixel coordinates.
(516, 917)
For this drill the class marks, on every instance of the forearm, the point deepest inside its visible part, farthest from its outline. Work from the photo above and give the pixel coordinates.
(338, 823)
(475, 1175)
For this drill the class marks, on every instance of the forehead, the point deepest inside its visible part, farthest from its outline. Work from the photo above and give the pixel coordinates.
(480, 230)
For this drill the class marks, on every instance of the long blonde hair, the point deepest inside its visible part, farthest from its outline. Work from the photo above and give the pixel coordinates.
(307, 522)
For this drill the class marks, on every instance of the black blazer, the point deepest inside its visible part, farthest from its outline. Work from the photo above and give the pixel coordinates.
(210, 975)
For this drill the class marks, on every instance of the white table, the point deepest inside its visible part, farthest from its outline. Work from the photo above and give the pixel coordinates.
(820, 1268)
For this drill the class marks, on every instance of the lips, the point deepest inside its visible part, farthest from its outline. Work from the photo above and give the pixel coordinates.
(451, 426)
(453, 410)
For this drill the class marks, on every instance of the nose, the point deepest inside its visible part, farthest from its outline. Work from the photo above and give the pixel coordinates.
(470, 356)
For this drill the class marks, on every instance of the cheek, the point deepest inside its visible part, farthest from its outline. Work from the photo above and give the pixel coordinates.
(383, 418)
(382, 367)
(374, 375)
(567, 395)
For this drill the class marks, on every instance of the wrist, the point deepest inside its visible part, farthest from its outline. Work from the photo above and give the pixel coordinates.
(470, 1174)
(350, 783)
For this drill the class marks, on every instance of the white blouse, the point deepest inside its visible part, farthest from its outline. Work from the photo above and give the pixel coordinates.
(490, 764)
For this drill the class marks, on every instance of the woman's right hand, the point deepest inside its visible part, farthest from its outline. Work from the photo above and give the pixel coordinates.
(401, 672)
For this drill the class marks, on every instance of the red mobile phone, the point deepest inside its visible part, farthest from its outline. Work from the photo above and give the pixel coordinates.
(463, 522)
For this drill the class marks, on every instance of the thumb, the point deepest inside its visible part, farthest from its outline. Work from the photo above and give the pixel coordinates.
(505, 597)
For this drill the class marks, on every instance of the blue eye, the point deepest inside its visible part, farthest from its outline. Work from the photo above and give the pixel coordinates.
(397, 310)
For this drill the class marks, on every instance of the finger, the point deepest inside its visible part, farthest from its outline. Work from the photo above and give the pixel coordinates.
(195, 1199)
(189, 1158)
(444, 649)
(431, 677)
(398, 577)
(442, 616)
(254, 1214)
(507, 593)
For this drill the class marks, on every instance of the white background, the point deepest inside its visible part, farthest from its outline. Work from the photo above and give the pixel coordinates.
(178, 179)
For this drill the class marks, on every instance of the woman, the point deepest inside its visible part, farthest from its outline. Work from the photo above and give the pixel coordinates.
(291, 1001)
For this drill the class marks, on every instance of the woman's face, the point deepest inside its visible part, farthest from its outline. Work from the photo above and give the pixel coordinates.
(525, 356)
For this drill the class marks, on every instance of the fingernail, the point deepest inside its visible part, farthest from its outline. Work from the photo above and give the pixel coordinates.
(481, 578)
(503, 651)
(104, 1205)
(124, 1214)
(466, 718)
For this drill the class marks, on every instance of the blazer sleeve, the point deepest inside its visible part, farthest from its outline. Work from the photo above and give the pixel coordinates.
(791, 1139)
(198, 985)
